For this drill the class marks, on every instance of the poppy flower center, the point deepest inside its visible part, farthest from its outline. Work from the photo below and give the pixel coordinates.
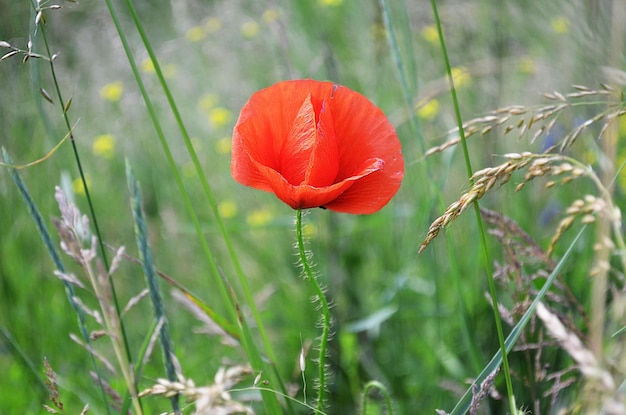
(310, 154)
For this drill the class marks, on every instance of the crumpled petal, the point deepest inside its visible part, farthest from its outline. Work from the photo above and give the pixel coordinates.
(317, 144)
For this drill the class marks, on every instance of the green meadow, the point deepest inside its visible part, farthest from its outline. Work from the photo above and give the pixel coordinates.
(506, 230)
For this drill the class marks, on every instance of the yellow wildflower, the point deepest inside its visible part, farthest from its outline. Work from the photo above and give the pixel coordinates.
(213, 24)
(223, 145)
(309, 230)
(147, 66)
(428, 110)
(461, 76)
(250, 29)
(227, 209)
(330, 3)
(168, 70)
(431, 35)
(195, 34)
(104, 146)
(220, 116)
(113, 91)
(271, 15)
(77, 185)
(560, 25)
(259, 217)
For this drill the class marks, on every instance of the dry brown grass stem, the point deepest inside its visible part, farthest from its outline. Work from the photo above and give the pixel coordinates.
(584, 358)
(78, 243)
(484, 180)
(539, 121)
(587, 209)
(212, 399)
(558, 170)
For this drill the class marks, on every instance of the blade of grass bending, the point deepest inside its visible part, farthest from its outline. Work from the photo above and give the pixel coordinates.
(436, 186)
(247, 339)
(56, 259)
(92, 210)
(479, 221)
(243, 281)
(463, 405)
(253, 354)
(218, 319)
(145, 254)
(23, 356)
(406, 92)
(139, 368)
(366, 390)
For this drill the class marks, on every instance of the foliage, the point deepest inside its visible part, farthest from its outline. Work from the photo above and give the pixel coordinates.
(87, 87)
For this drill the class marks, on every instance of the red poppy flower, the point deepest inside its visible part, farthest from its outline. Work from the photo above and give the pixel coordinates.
(317, 144)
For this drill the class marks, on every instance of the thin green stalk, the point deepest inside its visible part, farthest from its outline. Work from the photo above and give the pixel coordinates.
(145, 254)
(464, 403)
(319, 293)
(481, 230)
(56, 259)
(92, 212)
(375, 385)
(271, 403)
(404, 83)
(434, 185)
(243, 281)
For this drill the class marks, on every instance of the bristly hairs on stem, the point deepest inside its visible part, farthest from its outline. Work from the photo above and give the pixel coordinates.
(481, 230)
(309, 275)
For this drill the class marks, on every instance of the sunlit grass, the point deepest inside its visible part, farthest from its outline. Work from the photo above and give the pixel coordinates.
(396, 314)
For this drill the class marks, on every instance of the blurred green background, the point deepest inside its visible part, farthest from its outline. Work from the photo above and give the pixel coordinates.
(399, 317)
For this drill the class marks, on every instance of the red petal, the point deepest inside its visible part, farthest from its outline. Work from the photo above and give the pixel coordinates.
(306, 196)
(364, 132)
(324, 163)
(349, 159)
(309, 154)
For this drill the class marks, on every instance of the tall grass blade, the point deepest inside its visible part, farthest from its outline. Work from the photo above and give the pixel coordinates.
(92, 211)
(251, 349)
(404, 83)
(243, 281)
(383, 390)
(481, 229)
(426, 171)
(56, 259)
(463, 405)
(145, 254)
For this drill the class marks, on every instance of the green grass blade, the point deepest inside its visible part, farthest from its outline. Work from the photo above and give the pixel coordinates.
(253, 353)
(380, 387)
(56, 259)
(145, 254)
(243, 281)
(434, 186)
(404, 83)
(481, 229)
(463, 405)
